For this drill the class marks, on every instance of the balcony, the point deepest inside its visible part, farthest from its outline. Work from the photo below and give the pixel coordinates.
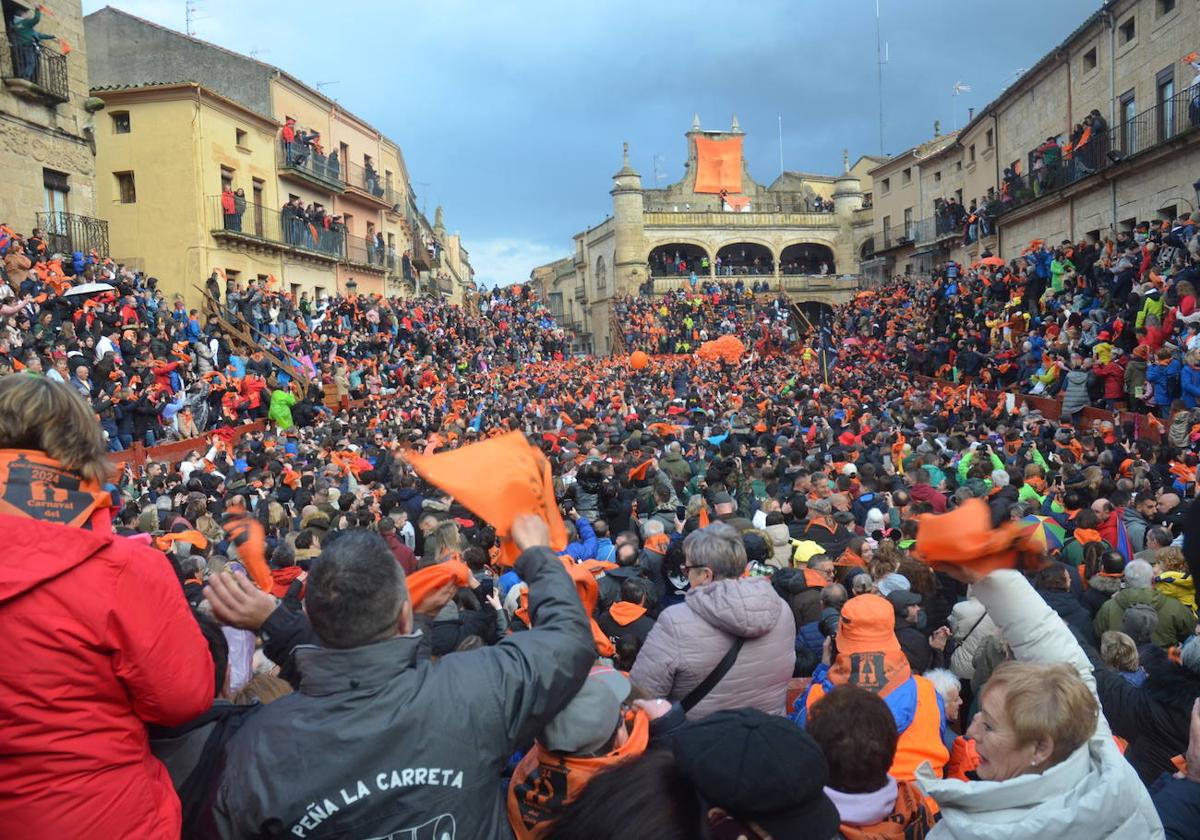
(67, 233)
(261, 227)
(1153, 129)
(767, 202)
(365, 256)
(720, 219)
(395, 201)
(302, 163)
(37, 74)
(366, 184)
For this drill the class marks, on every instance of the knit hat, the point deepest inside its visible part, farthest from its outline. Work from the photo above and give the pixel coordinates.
(588, 722)
(759, 767)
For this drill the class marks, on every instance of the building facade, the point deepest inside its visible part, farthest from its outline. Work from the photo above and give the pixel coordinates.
(47, 126)
(804, 234)
(226, 128)
(1133, 65)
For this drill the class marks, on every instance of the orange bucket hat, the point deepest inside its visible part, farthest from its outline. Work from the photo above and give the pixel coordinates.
(868, 653)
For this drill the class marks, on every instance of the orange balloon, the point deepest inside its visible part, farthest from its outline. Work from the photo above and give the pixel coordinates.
(638, 360)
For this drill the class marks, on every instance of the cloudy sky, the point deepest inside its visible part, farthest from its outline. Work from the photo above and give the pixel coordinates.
(511, 113)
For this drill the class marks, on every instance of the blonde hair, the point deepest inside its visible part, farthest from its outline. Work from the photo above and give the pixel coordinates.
(1044, 700)
(265, 688)
(1119, 651)
(46, 416)
(1171, 559)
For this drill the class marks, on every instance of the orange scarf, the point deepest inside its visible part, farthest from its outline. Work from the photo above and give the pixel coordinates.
(34, 485)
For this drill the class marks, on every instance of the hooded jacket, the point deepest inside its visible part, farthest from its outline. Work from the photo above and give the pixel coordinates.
(690, 639)
(970, 625)
(1100, 589)
(1154, 717)
(676, 467)
(1175, 621)
(1092, 793)
(407, 748)
(781, 546)
(100, 642)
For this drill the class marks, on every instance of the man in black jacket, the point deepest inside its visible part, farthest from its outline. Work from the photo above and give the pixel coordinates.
(377, 742)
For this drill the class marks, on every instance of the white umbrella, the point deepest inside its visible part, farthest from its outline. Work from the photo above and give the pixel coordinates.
(88, 289)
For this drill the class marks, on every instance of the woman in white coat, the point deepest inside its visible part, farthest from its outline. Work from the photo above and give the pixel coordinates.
(1048, 763)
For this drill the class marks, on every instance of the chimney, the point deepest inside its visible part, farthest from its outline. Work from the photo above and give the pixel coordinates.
(937, 128)
(970, 114)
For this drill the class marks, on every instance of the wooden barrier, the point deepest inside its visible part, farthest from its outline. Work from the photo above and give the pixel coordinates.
(139, 455)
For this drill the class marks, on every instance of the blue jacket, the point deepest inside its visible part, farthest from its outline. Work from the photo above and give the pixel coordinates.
(1189, 383)
(1178, 804)
(606, 551)
(902, 701)
(585, 547)
(810, 636)
(1158, 376)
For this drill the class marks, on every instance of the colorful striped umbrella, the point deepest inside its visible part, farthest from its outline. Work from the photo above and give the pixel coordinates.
(1045, 532)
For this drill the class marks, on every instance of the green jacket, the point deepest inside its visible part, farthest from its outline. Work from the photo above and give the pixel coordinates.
(1175, 620)
(21, 31)
(281, 408)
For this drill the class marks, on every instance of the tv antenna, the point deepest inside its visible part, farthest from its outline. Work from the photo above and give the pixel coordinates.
(189, 14)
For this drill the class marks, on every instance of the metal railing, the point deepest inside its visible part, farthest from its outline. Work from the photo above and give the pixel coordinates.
(751, 218)
(1150, 129)
(259, 222)
(67, 233)
(367, 180)
(364, 253)
(765, 202)
(303, 159)
(42, 67)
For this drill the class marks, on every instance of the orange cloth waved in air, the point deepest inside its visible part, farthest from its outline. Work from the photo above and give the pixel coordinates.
(424, 582)
(718, 165)
(497, 480)
(965, 537)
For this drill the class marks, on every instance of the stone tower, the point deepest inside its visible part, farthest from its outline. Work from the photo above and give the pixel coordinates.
(629, 263)
(847, 190)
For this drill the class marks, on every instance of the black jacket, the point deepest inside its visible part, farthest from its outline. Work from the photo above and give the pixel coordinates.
(377, 744)
(1154, 718)
(1072, 612)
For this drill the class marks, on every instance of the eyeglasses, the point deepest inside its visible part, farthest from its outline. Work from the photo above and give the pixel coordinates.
(688, 568)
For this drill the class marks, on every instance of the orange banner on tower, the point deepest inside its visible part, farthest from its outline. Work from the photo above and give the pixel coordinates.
(718, 165)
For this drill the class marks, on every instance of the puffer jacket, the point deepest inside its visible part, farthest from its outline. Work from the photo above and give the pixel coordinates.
(691, 638)
(100, 642)
(971, 625)
(1094, 792)
(676, 467)
(407, 748)
(781, 545)
(1075, 393)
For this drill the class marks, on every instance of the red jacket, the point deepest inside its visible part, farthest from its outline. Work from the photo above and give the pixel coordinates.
(99, 642)
(926, 493)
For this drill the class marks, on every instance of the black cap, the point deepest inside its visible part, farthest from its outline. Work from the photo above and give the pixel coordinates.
(759, 767)
(902, 599)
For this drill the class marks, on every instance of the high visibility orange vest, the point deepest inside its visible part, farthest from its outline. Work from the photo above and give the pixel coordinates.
(921, 741)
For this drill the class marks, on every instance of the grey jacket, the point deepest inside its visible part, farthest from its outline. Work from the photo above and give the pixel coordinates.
(375, 744)
(690, 639)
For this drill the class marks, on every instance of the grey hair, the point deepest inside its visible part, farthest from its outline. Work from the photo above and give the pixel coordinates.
(944, 681)
(1138, 574)
(653, 527)
(999, 478)
(719, 548)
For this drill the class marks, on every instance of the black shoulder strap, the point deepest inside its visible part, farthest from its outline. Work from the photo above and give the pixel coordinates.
(715, 676)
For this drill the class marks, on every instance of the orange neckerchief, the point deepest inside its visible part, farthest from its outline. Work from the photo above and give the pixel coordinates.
(625, 613)
(35, 486)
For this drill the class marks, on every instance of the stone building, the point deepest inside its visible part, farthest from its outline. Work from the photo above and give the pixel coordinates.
(47, 133)
(186, 119)
(805, 234)
(1132, 62)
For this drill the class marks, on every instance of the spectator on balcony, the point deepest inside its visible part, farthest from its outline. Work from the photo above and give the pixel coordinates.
(333, 166)
(371, 178)
(233, 220)
(288, 135)
(27, 45)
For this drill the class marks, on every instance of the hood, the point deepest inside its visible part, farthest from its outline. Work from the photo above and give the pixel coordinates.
(780, 536)
(39, 551)
(673, 458)
(1107, 585)
(1126, 598)
(746, 607)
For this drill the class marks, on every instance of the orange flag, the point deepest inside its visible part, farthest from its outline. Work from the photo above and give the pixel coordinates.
(497, 480)
(64, 46)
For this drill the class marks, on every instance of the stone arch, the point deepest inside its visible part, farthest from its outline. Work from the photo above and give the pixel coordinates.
(808, 257)
(866, 249)
(662, 255)
(747, 255)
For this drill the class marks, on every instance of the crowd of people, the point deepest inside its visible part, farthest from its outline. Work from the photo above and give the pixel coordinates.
(828, 589)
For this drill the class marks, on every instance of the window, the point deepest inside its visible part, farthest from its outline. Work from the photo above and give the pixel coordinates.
(319, 292)
(241, 136)
(601, 274)
(120, 122)
(1164, 94)
(1168, 213)
(258, 206)
(57, 188)
(990, 138)
(906, 175)
(1165, 7)
(1127, 225)
(232, 274)
(126, 193)
(958, 196)
(1093, 236)
(1089, 60)
(971, 152)
(295, 287)
(958, 166)
(1127, 31)
(908, 223)
(887, 228)
(937, 177)
(1127, 109)
(226, 178)
(345, 153)
(885, 186)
